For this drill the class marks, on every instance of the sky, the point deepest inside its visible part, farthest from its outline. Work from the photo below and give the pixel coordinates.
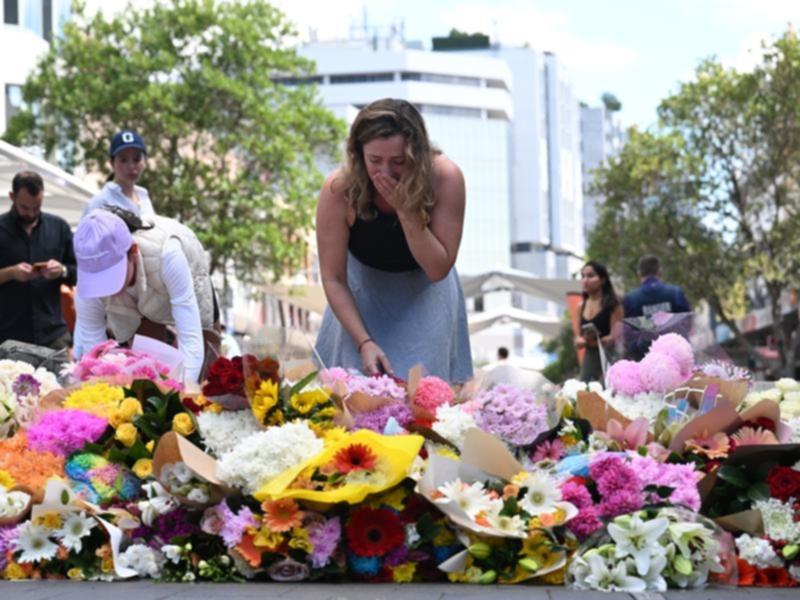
(638, 50)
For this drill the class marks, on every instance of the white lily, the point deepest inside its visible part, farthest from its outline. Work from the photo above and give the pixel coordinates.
(637, 538)
(685, 534)
(614, 578)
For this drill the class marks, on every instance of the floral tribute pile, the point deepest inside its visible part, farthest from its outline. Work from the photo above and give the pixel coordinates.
(675, 475)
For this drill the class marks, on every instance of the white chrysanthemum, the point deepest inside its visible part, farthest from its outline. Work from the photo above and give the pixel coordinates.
(787, 384)
(76, 527)
(641, 405)
(778, 518)
(452, 423)
(758, 552)
(790, 409)
(266, 454)
(35, 543)
(472, 499)
(571, 388)
(222, 432)
(146, 561)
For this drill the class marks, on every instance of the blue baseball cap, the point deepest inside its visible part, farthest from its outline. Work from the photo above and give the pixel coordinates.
(126, 139)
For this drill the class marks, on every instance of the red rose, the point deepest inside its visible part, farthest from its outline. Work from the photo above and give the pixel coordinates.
(212, 389)
(232, 382)
(218, 367)
(784, 483)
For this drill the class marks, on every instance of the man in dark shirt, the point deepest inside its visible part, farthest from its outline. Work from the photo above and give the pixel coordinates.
(651, 297)
(36, 257)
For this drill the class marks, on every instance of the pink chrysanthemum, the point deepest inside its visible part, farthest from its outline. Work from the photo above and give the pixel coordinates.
(660, 373)
(624, 378)
(63, 432)
(432, 393)
(676, 347)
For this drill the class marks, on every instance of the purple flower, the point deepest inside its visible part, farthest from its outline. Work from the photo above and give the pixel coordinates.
(8, 541)
(176, 523)
(288, 570)
(511, 414)
(234, 524)
(396, 556)
(64, 432)
(383, 386)
(26, 385)
(324, 537)
(375, 420)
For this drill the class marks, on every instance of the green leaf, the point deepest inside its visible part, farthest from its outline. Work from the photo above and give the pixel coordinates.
(64, 497)
(302, 383)
(759, 491)
(733, 475)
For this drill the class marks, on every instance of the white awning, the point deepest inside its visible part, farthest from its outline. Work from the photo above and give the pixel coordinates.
(547, 326)
(554, 290)
(64, 195)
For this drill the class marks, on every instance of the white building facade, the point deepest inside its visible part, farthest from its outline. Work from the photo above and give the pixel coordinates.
(26, 30)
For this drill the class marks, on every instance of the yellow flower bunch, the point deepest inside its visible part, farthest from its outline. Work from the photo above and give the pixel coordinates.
(143, 468)
(183, 424)
(265, 398)
(125, 413)
(404, 573)
(126, 434)
(6, 480)
(300, 541)
(100, 399)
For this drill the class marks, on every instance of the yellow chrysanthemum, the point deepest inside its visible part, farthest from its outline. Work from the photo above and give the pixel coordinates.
(334, 435)
(275, 418)
(51, 520)
(327, 413)
(264, 399)
(213, 408)
(100, 399)
(14, 571)
(76, 574)
(404, 573)
(6, 480)
(300, 541)
(267, 539)
(143, 468)
(126, 434)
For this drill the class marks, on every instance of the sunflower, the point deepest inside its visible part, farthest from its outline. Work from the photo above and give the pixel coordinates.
(355, 457)
(374, 532)
(265, 399)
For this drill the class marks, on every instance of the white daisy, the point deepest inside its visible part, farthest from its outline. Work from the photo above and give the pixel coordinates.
(472, 499)
(510, 526)
(542, 494)
(35, 544)
(76, 527)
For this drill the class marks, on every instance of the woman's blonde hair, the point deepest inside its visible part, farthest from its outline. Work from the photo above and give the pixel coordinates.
(383, 119)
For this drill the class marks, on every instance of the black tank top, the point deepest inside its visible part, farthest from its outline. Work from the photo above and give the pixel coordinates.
(381, 244)
(601, 320)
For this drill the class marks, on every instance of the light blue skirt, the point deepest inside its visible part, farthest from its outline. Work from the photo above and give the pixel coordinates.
(414, 321)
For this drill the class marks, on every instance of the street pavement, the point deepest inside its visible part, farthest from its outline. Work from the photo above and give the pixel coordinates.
(144, 590)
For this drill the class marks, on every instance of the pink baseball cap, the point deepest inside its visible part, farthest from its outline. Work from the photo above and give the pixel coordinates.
(101, 244)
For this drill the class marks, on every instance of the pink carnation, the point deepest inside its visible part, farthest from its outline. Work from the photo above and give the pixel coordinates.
(676, 347)
(432, 393)
(660, 373)
(586, 522)
(334, 375)
(624, 377)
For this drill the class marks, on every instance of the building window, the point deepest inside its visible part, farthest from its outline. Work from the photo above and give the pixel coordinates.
(292, 81)
(362, 78)
(11, 12)
(32, 17)
(452, 111)
(13, 100)
(436, 78)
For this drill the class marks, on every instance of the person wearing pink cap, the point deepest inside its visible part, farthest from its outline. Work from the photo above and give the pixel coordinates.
(131, 273)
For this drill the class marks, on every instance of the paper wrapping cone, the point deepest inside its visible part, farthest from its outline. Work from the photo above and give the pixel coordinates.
(721, 418)
(23, 514)
(733, 391)
(747, 521)
(357, 403)
(174, 448)
(593, 408)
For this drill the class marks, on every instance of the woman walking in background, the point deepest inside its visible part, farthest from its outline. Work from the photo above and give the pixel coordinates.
(600, 312)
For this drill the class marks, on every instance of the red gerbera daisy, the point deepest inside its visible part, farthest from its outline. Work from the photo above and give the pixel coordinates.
(374, 532)
(355, 457)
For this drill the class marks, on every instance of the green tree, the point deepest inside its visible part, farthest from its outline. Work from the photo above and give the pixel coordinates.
(714, 190)
(231, 150)
(565, 366)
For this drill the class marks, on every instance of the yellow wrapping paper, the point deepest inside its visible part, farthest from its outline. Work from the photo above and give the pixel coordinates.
(397, 452)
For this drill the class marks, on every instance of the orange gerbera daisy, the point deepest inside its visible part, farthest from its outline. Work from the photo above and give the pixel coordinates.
(282, 515)
(355, 457)
(748, 436)
(712, 446)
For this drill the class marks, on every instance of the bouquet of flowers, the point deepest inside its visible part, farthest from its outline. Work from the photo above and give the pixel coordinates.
(21, 388)
(652, 550)
(511, 414)
(225, 383)
(668, 363)
(119, 366)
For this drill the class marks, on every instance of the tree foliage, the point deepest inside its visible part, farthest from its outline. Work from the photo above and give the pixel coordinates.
(231, 150)
(713, 190)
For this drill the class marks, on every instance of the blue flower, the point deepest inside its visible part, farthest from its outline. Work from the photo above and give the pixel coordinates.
(364, 565)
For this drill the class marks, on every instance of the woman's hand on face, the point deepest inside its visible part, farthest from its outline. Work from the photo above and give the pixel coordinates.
(387, 188)
(373, 360)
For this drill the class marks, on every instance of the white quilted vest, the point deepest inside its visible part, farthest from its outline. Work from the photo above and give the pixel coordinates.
(124, 313)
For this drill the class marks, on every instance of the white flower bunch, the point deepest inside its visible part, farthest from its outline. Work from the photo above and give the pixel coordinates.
(452, 423)
(146, 561)
(757, 551)
(16, 412)
(222, 432)
(39, 542)
(159, 502)
(12, 503)
(778, 518)
(181, 481)
(571, 388)
(264, 455)
(646, 405)
(649, 551)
